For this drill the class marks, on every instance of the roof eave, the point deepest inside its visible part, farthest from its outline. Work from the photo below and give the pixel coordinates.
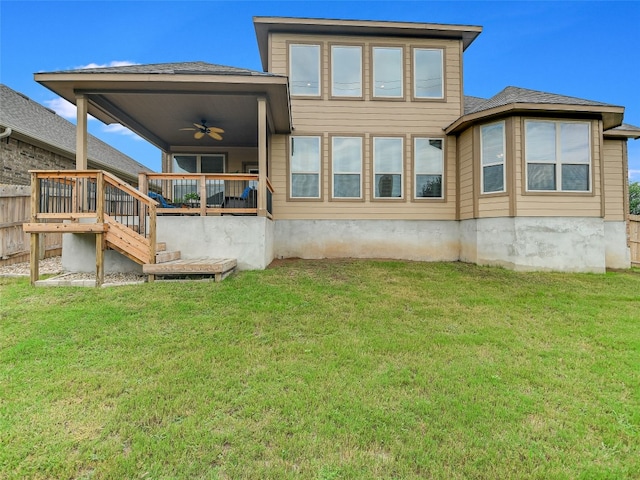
(621, 133)
(265, 25)
(611, 115)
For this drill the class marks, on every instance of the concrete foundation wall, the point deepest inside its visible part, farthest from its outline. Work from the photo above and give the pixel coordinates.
(401, 239)
(248, 239)
(79, 255)
(542, 243)
(617, 251)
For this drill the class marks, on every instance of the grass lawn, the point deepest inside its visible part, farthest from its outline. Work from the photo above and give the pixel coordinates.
(325, 370)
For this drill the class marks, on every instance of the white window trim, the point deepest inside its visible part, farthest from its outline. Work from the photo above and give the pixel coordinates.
(333, 70)
(319, 94)
(415, 83)
(493, 164)
(318, 172)
(416, 173)
(401, 172)
(558, 163)
(335, 172)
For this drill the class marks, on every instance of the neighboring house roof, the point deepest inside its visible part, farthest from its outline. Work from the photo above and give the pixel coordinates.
(515, 99)
(180, 68)
(30, 119)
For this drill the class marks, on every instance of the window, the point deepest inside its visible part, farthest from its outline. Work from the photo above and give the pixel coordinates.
(304, 69)
(346, 71)
(305, 167)
(387, 72)
(492, 147)
(212, 163)
(346, 155)
(558, 156)
(428, 167)
(427, 73)
(387, 167)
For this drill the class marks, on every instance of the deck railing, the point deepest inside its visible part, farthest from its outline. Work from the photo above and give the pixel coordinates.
(93, 201)
(208, 193)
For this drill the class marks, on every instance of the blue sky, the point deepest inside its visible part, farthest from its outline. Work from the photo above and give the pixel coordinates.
(586, 49)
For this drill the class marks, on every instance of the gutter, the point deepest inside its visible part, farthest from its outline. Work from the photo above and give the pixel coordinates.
(6, 133)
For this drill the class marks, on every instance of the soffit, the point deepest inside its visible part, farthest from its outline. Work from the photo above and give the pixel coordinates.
(157, 106)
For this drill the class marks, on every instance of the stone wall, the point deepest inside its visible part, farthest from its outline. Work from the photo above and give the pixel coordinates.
(18, 157)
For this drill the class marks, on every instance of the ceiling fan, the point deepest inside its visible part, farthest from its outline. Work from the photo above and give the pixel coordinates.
(202, 129)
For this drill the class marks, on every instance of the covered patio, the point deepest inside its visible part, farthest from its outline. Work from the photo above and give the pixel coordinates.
(213, 126)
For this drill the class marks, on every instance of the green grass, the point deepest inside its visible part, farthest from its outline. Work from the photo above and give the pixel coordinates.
(325, 370)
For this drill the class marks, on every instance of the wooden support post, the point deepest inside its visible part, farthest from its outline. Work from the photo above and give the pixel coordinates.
(203, 196)
(35, 238)
(262, 157)
(81, 132)
(152, 238)
(100, 240)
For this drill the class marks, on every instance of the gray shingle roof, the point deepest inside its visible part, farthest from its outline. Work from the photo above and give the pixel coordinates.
(471, 104)
(182, 68)
(522, 95)
(31, 119)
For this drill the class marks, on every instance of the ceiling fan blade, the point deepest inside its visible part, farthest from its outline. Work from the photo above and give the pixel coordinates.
(198, 135)
(215, 135)
(189, 128)
(216, 129)
(201, 126)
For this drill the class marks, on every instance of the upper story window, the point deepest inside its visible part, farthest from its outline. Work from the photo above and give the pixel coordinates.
(304, 69)
(492, 148)
(346, 154)
(428, 167)
(305, 167)
(346, 71)
(388, 78)
(387, 167)
(558, 156)
(428, 73)
(213, 163)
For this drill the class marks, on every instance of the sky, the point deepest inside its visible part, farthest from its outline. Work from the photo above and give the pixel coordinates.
(585, 49)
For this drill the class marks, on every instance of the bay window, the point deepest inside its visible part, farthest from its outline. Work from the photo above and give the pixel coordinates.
(305, 167)
(492, 152)
(558, 156)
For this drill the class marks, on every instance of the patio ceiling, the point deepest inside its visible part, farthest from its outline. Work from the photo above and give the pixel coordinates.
(157, 106)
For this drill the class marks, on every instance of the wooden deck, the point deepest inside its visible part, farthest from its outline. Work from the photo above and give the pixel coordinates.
(218, 267)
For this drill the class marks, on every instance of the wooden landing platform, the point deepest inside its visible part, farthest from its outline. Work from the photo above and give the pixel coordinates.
(218, 267)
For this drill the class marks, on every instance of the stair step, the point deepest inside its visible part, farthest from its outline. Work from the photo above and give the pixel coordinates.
(219, 267)
(161, 246)
(164, 257)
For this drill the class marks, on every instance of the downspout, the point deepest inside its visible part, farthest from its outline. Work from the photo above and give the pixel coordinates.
(6, 133)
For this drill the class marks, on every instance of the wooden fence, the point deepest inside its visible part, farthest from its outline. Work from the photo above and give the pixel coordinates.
(15, 209)
(634, 239)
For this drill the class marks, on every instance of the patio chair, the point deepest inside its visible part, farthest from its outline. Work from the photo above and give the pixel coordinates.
(161, 200)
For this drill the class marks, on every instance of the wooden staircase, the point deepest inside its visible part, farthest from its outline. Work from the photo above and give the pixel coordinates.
(121, 218)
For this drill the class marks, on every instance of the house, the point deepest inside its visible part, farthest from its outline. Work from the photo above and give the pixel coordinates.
(35, 137)
(362, 143)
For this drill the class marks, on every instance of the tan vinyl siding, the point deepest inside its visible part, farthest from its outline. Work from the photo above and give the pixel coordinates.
(367, 117)
(614, 179)
(562, 204)
(493, 206)
(465, 145)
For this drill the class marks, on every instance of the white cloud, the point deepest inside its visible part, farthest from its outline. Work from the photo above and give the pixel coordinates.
(114, 63)
(634, 175)
(63, 108)
(120, 130)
